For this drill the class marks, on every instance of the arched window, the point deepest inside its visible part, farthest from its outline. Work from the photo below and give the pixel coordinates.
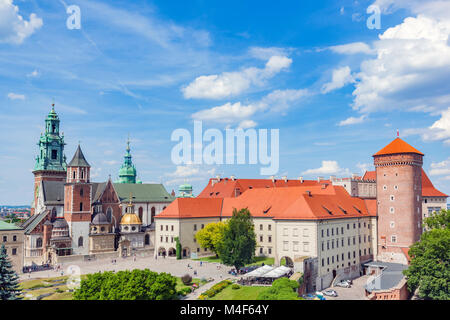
(81, 206)
(153, 212)
(53, 213)
(82, 174)
(109, 214)
(140, 213)
(39, 243)
(74, 174)
(80, 241)
(147, 239)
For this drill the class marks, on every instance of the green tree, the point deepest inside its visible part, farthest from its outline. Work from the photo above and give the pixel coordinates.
(237, 247)
(178, 247)
(429, 270)
(211, 235)
(127, 285)
(281, 289)
(9, 281)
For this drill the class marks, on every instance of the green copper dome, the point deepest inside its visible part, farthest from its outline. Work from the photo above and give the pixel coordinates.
(185, 191)
(127, 172)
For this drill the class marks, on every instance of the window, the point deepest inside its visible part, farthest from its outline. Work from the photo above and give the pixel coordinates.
(80, 241)
(295, 246)
(323, 246)
(328, 260)
(322, 233)
(270, 250)
(81, 206)
(260, 250)
(342, 230)
(328, 245)
(161, 239)
(354, 226)
(195, 227)
(171, 228)
(5, 238)
(260, 238)
(295, 232)
(392, 224)
(306, 246)
(162, 227)
(270, 227)
(392, 198)
(348, 226)
(385, 187)
(328, 233)
(74, 174)
(54, 154)
(391, 210)
(393, 239)
(140, 213)
(260, 227)
(285, 231)
(14, 251)
(323, 262)
(332, 244)
(270, 238)
(396, 187)
(285, 245)
(167, 228)
(332, 231)
(14, 238)
(167, 239)
(81, 192)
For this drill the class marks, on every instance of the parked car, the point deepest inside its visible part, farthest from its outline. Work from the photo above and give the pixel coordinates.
(343, 284)
(330, 293)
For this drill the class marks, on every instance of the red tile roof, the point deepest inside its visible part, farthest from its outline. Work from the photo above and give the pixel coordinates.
(370, 175)
(192, 208)
(397, 146)
(406, 253)
(226, 187)
(371, 205)
(294, 203)
(428, 190)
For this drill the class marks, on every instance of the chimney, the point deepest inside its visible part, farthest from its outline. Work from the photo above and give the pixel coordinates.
(233, 178)
(284, 178)
(301, 179)
(218, 178)
(273, 178)
(308, 193)
(319, 179)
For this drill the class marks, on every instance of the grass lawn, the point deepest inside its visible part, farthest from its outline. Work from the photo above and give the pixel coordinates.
(244, 293)
(181, 285)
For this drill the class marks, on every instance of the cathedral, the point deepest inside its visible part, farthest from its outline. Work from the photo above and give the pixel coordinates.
(76, 218)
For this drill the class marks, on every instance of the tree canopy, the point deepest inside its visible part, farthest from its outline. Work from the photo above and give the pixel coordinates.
(9, 281)
(211, 235)
(238, 244)
(429, 270)
(281, 289)
(127, 285)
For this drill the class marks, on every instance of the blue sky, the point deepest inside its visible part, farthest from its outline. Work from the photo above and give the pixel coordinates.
(335, 89)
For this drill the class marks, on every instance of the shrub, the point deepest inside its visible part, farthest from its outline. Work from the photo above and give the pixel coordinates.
(186, 279)
(235, 286)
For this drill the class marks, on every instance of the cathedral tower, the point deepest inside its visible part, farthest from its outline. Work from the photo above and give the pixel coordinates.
(399, 199)
(77, 202)
(127, 172)
(51, 162)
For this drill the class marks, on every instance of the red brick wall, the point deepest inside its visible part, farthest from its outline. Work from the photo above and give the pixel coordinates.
(403, 171)
(73, 198)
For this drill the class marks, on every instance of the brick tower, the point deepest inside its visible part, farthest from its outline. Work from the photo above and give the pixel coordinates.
(399, 199)
(51, 162)
(77, 202)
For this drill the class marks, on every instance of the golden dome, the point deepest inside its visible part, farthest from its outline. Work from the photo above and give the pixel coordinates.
(130, 218)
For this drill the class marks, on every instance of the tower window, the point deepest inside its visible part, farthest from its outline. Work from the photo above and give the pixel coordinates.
(81, 192)
(80, 241)
(81, 206)
(74, 174)
(393, 239)
(54, 154)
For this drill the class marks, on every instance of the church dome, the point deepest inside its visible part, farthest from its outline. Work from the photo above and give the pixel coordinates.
(100, 218)
(185, 188)
(130, 218)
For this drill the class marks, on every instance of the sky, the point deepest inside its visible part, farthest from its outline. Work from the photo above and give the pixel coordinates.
(336, 89)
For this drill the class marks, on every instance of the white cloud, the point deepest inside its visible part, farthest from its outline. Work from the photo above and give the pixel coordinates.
(229, 113)
(352, 48)
(189, 172)
(328, 167)
(33, 74)
(411, 69)
(247, 124)
(363, 167)
(229, 84)
(352, 120)
(441, 169)
(110, 162)
(267, 53)
(13, 27)
(340, 77)
(439, 130)
(15, 96)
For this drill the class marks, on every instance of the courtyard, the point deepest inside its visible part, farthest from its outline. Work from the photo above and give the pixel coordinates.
(355, 292)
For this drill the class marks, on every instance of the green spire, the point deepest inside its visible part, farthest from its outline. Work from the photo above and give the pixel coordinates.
(127, 172)
(51, 145)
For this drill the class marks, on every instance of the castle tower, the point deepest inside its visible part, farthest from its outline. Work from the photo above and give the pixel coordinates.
(51, 162)
(399, 199)
(77, 202)
(127, 172)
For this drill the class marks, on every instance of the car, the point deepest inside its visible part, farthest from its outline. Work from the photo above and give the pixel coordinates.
(343, 284)
(330, 293)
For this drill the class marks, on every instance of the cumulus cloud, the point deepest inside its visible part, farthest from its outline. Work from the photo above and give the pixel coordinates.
(410, 70)
(439, 130)
(340, 77)
(228, 84)
(441, 169)
(13, 27)
(328, 167)
(15, 96)
(247, 124)
(189, 172)
(352, 120)
(229, 113)
(352, 48)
